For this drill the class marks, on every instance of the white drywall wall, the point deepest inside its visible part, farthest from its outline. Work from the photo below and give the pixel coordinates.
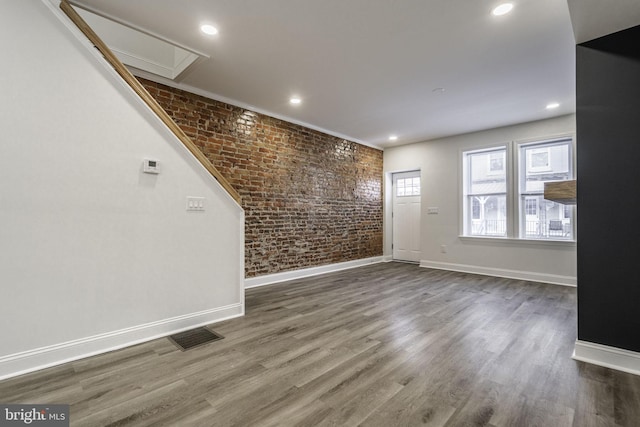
(440, 162)
(94, 253)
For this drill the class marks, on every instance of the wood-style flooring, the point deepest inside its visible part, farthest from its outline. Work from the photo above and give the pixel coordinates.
(383, 345)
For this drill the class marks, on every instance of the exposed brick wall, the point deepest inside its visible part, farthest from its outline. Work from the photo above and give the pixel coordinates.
(310, 199)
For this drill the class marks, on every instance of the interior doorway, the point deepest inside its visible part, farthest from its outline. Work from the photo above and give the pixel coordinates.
(406, 215)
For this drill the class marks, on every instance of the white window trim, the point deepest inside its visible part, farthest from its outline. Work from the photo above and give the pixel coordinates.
(518, 144)
(412, 187)
(462, 196)
(513, 192)
(515, 241)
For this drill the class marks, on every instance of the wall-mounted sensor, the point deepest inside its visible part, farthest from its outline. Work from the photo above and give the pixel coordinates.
(151, 166)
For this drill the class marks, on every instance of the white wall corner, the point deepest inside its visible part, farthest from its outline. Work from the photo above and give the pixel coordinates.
(136, 242)
(608, 357)
(270, 279)
(531, 276)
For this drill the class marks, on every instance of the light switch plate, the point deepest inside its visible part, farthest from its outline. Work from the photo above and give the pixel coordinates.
(195, 204)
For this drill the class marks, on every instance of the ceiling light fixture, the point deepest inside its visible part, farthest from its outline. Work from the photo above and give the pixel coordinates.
(503, 9)
(295, 100)
(552, 105)
(393, 138)
(209, 29)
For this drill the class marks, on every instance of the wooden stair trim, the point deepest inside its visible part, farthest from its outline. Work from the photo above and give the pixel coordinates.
(146, 97)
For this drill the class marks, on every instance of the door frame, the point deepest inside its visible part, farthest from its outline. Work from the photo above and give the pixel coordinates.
(387, 220)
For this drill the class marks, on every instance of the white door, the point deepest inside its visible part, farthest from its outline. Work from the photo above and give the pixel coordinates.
(406, 216)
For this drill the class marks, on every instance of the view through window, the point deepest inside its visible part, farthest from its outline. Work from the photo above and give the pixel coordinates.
(486, 192)
(488, 195)
(539, 163)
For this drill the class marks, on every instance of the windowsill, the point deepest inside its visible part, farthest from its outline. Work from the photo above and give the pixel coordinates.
(517, 241)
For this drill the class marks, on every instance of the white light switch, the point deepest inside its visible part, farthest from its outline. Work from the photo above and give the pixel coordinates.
(432, 210)
(195, 204)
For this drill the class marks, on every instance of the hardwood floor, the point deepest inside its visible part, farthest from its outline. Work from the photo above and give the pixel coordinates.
(384, 345)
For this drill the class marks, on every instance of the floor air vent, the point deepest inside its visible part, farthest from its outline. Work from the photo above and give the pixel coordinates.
(194, 338)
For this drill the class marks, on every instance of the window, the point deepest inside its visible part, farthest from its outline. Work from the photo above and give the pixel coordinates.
(531, 206)
(542, 162)
(496, 162)
(475, 208)
(538, 160)
(485, 192)
(406, 187)
(499, 203)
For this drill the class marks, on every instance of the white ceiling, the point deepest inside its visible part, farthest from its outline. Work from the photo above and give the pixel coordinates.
(366, 69)
(596, 18)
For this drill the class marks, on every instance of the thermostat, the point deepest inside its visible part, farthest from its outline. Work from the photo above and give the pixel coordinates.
(151, 166)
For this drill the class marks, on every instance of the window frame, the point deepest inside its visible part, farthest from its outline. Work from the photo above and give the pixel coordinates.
(466, 219)
(523, 163)
(414, 187)
(512, 165)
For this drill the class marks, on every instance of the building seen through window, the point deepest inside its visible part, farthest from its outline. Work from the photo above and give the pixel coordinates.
(486, 190)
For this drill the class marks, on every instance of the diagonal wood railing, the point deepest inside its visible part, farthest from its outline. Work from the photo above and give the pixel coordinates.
(146, 97)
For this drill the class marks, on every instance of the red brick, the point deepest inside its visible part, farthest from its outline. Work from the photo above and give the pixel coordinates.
(310, 199)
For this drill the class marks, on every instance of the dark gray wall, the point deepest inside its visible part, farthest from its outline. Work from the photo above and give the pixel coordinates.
(608, 137)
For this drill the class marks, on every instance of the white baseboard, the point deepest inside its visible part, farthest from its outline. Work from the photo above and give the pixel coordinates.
(270, 279)
(609, 357)
(500, 272)
(387, 258)
(45, 357)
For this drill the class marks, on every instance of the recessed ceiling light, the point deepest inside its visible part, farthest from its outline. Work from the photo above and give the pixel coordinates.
(393, 138)
(503, 9)
(209, 29)
(295, 100)
(552, 105)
